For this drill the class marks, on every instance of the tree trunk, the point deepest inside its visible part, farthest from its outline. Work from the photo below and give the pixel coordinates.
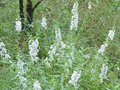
(21, 12)
(29, 11)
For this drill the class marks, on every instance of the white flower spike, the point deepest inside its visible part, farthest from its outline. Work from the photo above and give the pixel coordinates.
(37, 86)
(74, 78)
(89, 5)
(111, 34)
(102, 49)
(33, 49)
(103, 73)
(18, 26)
(74, 19)
(44, 23)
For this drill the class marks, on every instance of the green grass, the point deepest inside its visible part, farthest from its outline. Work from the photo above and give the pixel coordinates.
(93, 27)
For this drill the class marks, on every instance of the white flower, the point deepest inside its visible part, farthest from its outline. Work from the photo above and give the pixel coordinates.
(118, 68)
(92, 71)
(52, 52)
(21, 69)
(23, 81)
(47, 63)
(111, 34)
(58, 36)
(103, 73)
(2, 44)
(63, 45)
(86, 56)
(2, 49)
(89, 5)
(33, 49)
(37, 86)
(75, 7)
(20, 64)
(102, 49)
(18, 26)
(72, 55)
(74, 78)
(74, 19)
(3, 52)
(44, 23)
(7, 56)
(107, 89)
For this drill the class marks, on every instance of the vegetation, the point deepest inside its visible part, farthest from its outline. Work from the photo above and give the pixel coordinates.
(71, 45)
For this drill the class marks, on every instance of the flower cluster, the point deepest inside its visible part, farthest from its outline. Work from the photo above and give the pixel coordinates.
(71, 54)
(23, 82)
(21, 69)
(102, 49)
(33, 49)
(74, 19)
(18, 26)
(53, 48)
(3, 52)
(44, 23)
(52, 52)
(110, 36)
(59, 50)
(89, 5)
(37, 86)
(58, 36)
(74, 78)
(21, 72)
(103, 73)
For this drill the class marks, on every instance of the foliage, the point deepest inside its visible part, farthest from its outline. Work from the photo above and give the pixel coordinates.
(60, 55)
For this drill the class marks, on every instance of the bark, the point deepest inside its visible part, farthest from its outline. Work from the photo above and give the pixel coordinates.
(35, 6)
(21, 12)
(29, 11)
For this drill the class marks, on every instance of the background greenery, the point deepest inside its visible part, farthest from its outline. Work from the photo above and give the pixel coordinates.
(94, 25)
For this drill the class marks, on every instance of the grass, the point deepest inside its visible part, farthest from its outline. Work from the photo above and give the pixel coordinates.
(94, 25)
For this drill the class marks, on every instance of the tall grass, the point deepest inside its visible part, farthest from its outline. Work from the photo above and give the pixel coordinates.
(56, 56)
